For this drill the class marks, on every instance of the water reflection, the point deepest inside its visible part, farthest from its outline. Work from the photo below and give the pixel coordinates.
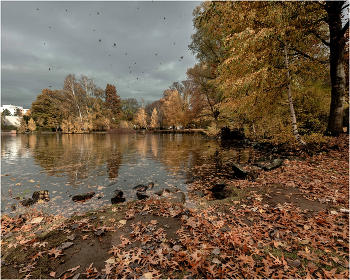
(68, 164)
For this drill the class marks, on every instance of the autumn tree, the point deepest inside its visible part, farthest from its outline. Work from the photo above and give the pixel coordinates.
(141, 118)
(207, 95)
(31, 125)
(113, 102)
(158, 105)
(264, 55)
(172, 107)
(154, 119)
(207, 46)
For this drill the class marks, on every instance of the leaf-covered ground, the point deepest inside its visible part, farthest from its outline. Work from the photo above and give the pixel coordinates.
(291, 222)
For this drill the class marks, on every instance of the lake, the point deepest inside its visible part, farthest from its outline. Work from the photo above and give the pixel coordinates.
(70, 164)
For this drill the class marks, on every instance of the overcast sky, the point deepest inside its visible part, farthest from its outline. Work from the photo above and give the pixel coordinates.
(43, 42)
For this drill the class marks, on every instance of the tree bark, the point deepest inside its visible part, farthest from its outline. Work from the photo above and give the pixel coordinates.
(336, 59)
(291, 106)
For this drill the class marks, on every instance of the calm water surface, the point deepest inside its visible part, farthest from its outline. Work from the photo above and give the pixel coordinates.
(67, 165)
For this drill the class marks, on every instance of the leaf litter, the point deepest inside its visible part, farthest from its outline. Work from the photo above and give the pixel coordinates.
(284, 240)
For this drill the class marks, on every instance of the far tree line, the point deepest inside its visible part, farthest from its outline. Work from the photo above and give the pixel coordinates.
(82, 106)
(276, 70)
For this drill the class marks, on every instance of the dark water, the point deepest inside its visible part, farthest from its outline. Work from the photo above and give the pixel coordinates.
(67, 165)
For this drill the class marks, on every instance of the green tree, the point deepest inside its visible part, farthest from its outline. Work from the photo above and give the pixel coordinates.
(47, 108)
(6, 112)
(129, 108)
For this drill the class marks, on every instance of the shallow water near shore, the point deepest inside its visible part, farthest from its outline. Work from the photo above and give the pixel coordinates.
(67, 165)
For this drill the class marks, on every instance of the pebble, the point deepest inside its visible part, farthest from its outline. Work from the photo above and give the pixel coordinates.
(8, 235)
(216, 251)
(71, 237)
(294, 263)
(65, 245)
(75, 226)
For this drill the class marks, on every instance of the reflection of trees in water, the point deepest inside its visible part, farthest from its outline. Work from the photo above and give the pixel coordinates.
(180, 152)
(79, 156)
(82, 156)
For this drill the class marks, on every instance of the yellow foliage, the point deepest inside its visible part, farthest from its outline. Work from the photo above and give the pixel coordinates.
(31, 125)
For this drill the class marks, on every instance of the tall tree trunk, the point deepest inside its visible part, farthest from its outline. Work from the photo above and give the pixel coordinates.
(336, 59)
(291, 107)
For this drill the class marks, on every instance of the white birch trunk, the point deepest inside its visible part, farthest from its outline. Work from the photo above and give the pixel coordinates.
(291, 107)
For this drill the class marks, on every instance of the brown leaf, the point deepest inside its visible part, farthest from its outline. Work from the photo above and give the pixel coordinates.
(74, 268)
(52, 274)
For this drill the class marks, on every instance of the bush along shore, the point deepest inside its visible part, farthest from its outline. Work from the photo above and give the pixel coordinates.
(281, 219)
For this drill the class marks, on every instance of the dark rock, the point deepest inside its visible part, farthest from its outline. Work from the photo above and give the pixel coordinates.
(27, 202)
(115, 200)
(160, 192)
(99, 232)
(118, 197)
(13, 207)
(178, 197)
(84, 196)
(275, 164)
(219, 195)
(294, 263)
(267, 166)
(41, 195)
(172, 189)
(118, 193)
(143, 188)
(199, 193)
(140, 188)
(75, 226)
(239, 171)
(65, 245)
(219, 186)
(141, 196)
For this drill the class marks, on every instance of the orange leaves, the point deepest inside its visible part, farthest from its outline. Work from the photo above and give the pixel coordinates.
(108, 269)
(91, 272)
(124, 241)
(246, 260)
(191, 222)
(55, 252)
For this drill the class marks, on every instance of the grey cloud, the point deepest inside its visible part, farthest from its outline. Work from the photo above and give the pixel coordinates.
(34, 41)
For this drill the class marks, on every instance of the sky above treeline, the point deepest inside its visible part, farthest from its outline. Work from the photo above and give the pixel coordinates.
(139, 47)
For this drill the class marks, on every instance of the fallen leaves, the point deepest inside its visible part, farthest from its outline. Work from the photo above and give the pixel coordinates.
(55, 252)
(74, 269)
(36, 220)
(91, 271)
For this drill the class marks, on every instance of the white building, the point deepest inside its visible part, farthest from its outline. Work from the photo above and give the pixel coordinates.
(13, 120)
(13, 109)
